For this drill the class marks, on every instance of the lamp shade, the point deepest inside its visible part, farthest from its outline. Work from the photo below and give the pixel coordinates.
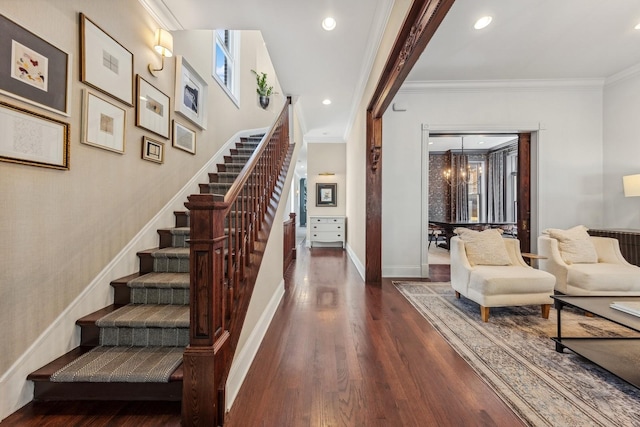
(631, 184)
(163, 42)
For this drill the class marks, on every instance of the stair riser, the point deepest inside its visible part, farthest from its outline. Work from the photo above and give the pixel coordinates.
(142, 337)
(160, 296)
(161, 392)
(171, 265)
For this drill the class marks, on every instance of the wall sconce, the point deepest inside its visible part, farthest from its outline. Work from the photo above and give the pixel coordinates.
(163, 44)
(326, 174)
(631, 185)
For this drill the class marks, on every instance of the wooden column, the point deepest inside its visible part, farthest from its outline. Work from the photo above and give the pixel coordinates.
(204, 359)
(524, 191)
(421, 23)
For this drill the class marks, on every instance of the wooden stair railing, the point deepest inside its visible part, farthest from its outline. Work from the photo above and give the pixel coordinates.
(223, 269)
(289, 242)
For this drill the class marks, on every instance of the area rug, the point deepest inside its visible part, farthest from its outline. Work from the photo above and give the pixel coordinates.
(514, 354)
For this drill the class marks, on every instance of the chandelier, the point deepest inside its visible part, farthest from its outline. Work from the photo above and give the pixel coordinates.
(461, 173)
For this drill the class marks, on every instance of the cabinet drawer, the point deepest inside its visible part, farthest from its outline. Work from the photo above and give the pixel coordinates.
(326, 220)
(327, 236)
(327, 227)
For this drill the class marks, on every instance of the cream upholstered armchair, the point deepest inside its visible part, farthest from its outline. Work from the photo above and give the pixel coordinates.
(489, 269)
(587, 265)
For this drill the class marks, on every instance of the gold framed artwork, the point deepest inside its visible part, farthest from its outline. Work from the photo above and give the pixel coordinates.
(103, 124)
(33, 139)
(152, 150)
(35, 71)
(184, 138)
(152, 108)
(105, 64)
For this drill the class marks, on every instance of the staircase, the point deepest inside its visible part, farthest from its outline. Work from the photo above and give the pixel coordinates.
(148, 324)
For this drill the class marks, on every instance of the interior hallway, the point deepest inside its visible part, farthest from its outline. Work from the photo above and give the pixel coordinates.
(338, 353)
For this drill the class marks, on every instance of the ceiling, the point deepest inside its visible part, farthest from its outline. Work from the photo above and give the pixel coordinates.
(527, 39)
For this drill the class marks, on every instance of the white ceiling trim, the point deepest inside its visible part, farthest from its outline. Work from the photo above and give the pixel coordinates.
(486, 85)
(375, 35)
(623, 75)
(162, 15)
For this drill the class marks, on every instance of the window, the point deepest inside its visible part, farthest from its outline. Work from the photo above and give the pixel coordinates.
(225, 61)
(476, 193)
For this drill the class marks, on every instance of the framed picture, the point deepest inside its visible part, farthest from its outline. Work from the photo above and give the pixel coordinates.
(326, 194)
(35, 71)
(33, 139)
(152, 150)
(184, 138)
(103, 123)
(152, 108)
(191, 93)
(105, 64)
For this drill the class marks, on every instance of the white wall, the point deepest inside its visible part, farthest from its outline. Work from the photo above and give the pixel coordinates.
(621, 148)
(356, 150)
(569, 115)
(321, 158)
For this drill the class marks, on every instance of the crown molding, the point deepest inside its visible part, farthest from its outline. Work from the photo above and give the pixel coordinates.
(376, 34)
(162, 15)
(310, 139)
(487, 85)
(623, 75)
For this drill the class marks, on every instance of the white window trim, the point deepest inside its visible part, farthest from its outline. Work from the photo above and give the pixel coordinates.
(234, 93)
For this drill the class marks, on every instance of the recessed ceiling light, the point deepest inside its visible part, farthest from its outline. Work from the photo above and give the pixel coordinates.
(326, 102)
(637, 27)
(480, 142)
(482, 22)
(328, 23)
(430, 142)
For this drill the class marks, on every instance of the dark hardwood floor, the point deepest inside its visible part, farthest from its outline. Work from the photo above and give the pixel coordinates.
(338, 353)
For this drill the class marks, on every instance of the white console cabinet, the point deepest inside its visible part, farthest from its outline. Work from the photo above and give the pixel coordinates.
(328, 229)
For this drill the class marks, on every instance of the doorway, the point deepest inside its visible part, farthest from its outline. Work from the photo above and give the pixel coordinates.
(511, 201)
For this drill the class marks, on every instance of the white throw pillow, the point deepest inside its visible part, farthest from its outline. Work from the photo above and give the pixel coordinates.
(574, 245)
(484, 247)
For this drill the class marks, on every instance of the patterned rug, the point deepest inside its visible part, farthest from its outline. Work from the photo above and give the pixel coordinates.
(514, 354)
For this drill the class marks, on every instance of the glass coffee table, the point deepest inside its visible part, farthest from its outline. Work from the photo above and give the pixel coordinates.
(620, 356)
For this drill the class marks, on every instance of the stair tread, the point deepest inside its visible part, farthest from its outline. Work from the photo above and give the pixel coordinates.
(147, 316)
(170, 252)
(44, 373)
(175, 230)
(121, 365)
(161, 280)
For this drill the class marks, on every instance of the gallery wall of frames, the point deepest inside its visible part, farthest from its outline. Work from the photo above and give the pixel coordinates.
(40, 77)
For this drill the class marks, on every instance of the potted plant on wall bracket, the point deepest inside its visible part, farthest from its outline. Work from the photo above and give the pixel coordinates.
(263, 89)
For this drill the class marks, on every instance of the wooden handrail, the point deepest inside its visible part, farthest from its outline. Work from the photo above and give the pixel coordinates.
(223, 266)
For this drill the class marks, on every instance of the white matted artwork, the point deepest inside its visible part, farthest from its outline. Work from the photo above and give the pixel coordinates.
(152, 108)
(190, 94)
(184, 138)
(105, 64)
(152, 150)
(103, 124)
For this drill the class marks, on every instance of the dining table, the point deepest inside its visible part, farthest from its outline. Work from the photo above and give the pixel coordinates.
(448, 227)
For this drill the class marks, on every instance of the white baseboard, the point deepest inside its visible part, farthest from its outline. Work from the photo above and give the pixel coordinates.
(356, 261)
(243, 361)
(63, 334)
(402, 271)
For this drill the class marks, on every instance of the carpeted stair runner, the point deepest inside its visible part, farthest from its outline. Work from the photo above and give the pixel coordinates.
(146, 325)
(122, 364)
(144, 341)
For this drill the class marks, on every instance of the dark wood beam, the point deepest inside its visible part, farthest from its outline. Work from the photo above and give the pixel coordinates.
(420, 24)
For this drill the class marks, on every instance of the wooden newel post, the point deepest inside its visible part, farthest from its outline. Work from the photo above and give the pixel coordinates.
(205, 357)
